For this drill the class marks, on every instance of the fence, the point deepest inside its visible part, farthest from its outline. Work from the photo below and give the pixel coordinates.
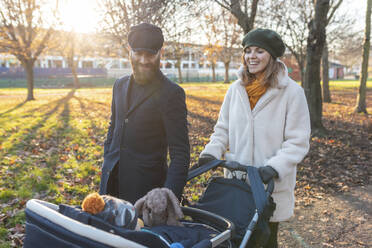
(188, 75)
(96, 77)
(19, 72)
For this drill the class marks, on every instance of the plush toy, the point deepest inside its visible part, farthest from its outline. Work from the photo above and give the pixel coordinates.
(113, 210)
(93, 203)
(159, 207)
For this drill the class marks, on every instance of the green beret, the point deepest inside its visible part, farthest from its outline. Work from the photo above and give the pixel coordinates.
(266, 39)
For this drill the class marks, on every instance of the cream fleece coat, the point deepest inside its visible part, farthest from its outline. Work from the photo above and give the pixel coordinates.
(276, 133)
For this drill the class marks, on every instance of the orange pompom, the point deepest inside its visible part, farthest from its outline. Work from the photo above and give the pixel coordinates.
(93, 203)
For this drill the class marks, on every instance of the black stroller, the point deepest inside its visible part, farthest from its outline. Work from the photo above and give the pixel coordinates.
(214, 221)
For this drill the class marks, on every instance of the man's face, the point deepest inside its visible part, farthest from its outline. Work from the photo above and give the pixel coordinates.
(145, 66)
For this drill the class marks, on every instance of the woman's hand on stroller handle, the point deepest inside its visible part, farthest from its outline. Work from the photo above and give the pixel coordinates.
(267, 173)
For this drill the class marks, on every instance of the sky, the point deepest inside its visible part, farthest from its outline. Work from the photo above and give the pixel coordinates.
(79, 15)
(83, 15)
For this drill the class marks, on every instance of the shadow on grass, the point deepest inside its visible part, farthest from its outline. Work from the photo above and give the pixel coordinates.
(46, 116)
(14, 108)
(207, 120)
(41, 108)
(65, 114)
(85, 112)
(204, 100)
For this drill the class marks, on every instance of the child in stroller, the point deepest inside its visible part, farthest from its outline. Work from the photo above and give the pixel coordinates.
(208, 227)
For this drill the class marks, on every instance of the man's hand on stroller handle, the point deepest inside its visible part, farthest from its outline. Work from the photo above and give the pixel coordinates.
(234, 166)
(204, 159)
(230, 165)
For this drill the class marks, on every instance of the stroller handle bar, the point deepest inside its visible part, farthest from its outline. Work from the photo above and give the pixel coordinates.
(230, 165)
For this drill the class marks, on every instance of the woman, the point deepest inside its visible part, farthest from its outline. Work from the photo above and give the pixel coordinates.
(264, 121)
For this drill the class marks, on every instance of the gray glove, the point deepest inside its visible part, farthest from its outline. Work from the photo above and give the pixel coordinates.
(205, 158)
(267, 173)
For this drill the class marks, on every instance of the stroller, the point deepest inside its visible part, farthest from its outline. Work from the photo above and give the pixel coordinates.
(211, 221)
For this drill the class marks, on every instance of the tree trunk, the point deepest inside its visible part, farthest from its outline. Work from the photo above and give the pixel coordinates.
(180, 80)
(361, 99)
(325, 73)
(227, 81)
(300, 61)
(315, 44)
(72, 64)
(29, 67)
(74, 74)
(213, 66)
(302, 72)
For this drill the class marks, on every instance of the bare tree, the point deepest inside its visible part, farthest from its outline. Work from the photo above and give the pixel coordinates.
(315, 44)
(175, 50)
(223, 35)
(177, 31)
(345, 24)
(212, 50)
(70, 53)
(72, 47)
(244, 11)
(348, 49)
(231, 33)
(361, 99)
(24, 33)
(120, 15)
(290, 18)
(325, 74)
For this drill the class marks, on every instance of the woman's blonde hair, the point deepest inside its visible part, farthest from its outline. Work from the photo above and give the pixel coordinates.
(271, 72)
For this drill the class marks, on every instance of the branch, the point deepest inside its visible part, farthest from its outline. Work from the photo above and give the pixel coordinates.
(253, 13)
(225, 6)
(42, 44)
(334, 8)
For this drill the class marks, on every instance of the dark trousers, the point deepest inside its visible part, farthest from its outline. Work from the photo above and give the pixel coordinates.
(271, 243)
(113, 182)
(273, 239)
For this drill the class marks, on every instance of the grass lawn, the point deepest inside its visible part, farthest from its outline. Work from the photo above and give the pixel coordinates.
(52, 148)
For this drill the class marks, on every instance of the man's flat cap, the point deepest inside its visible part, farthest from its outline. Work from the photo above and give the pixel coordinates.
(146, 37)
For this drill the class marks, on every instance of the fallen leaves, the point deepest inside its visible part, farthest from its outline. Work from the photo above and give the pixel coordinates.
(17, 234)
(68, 153)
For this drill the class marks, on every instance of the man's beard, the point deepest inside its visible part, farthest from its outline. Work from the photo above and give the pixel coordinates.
(145, 73)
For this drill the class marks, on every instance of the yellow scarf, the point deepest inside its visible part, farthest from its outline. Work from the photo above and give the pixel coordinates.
(255, 90)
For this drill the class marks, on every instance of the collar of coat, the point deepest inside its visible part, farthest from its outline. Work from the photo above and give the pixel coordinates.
(282, 77)
(270, 94)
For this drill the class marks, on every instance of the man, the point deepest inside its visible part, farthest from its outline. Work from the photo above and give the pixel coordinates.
(148, 118)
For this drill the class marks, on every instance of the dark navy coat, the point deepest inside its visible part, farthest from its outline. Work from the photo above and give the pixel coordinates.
(140, 135)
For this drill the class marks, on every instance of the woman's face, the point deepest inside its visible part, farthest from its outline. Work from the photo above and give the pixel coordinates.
(256, 58)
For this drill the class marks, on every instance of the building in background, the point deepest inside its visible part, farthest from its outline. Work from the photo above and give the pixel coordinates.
(336, 70)
(110, 62)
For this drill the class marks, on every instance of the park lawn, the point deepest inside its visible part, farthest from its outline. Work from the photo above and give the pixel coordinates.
(347, 84)
(52, 148)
